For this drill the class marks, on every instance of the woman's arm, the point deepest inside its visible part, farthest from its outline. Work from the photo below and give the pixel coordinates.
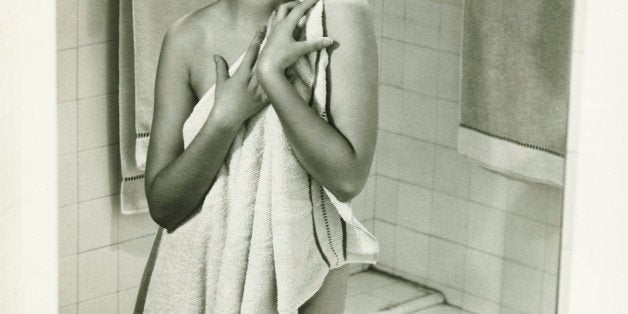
(177, 180)
(338, 156)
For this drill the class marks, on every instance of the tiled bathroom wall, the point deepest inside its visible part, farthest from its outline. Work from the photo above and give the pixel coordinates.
(489, 242)
(102, 253)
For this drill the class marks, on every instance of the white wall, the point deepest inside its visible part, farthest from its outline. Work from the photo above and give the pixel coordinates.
(101, 253)
(28, 226)
(594, 259)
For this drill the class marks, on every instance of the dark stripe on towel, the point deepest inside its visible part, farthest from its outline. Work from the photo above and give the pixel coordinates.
(133, 178)
(327, 74)
(148, 272)
(327, 222)
(344, 238)
(313, 87)
(318, 245)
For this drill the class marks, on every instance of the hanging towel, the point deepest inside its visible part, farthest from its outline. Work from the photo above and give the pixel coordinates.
(142, 25)
(515, 86)
(267, 233)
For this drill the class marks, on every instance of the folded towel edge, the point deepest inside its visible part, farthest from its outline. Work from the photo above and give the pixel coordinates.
(511, 159)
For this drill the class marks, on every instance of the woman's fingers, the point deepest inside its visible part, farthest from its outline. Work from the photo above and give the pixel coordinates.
(305, 47)
(252, 51)
(261, 94)
(253, 83)
(222, 70)
(298, 11)
(271, 22)
(284, 8)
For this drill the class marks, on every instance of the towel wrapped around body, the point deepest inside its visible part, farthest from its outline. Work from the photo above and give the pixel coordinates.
(267, 233)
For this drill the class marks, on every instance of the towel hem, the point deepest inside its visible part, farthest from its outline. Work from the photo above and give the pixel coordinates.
(132, 197)
(511, 158)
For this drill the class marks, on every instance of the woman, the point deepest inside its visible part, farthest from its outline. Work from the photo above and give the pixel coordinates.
(338, 155)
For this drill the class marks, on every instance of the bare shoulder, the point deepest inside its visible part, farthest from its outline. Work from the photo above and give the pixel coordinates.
(348, 16)
(189, 31)
(349, 23)
(357, 6)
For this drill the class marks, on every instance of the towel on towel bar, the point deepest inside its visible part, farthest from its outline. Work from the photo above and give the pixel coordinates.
(142, 25)
(515, 86)
(267, 233)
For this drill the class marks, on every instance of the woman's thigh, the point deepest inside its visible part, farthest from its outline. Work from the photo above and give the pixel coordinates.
(330, 298)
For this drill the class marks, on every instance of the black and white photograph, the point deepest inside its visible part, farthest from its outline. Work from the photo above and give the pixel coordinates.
(313, 156)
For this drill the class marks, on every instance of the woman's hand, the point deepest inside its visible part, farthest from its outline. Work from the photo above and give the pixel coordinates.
(281, 49)
(240, 96)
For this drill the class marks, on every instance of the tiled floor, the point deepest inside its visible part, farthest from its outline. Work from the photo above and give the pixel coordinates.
(372, 291)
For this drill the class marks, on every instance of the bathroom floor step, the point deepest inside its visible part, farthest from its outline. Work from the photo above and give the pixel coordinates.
(373, 291)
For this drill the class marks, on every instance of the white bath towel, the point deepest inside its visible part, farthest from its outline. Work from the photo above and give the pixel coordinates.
(267, 233)
(142, 25)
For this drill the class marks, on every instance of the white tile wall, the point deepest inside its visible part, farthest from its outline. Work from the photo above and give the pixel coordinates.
(416, 161)
(66, 24)
(68, 230)
(97, 21)
(525, 241)
(438, 216)
(488, 188)
(413, 207)
(410, 251)
(385, 233)
(97, 69)
(68, 280)
(486, 229)
(449, 218)
(102, 253)
(420, 69)
(479, 305)
(447, 263)
(492, 241)
(522, 287)
(66, 75)
(483, 275)
(106, 304)
(392, 69)
(98, 273)
(126, 300)
(135, 226)
(68, 179)
(132, 258)
(97, 121)
(67, 127)
(98, 172)
(363, 205)
(386, 199)
(447, 119)
(418, 116)
(98, 223)
(451, 172)
(449, 76)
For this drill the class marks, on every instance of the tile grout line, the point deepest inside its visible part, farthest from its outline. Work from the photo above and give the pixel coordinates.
(506, 211)
(470, 247)
(77, 159)
(152, 234)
